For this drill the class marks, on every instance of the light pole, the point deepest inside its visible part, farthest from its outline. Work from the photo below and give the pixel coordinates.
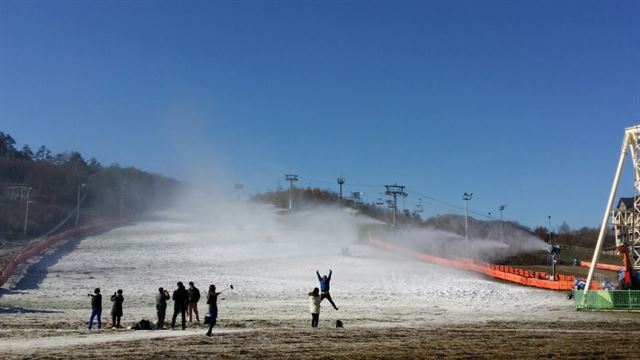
(501, 208)
(78, 204)
(26, 212)
(549, 217)
(121, 202)
(341, 182)
(291, 178)
(466, 197)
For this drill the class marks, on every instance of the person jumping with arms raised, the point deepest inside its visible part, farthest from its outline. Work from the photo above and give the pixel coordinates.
(324, 287)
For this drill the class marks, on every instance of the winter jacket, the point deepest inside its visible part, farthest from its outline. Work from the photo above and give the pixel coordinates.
(324, 283)
(180, 298)
(96, 301)
(161, 301)
(116, 308)
(314, 304)
(194, 294)
(212, 301)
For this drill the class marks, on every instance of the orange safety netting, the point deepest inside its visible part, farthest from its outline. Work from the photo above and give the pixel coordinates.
(50, 240)
(502, 272)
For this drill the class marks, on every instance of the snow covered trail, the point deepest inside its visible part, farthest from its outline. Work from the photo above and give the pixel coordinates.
(272, 264)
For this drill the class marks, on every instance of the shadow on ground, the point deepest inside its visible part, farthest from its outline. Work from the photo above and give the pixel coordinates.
(19, 310)
(37, 271)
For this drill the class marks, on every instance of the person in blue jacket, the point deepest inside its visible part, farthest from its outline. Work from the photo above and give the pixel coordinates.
(324, 287)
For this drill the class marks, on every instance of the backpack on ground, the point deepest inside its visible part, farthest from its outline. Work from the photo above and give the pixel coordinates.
(143, 325)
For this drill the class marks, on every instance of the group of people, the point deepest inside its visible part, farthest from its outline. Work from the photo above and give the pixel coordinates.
(186, 301)
(96, 308)
(317, 295)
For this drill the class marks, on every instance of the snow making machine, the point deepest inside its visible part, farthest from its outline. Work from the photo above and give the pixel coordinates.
(626, 224)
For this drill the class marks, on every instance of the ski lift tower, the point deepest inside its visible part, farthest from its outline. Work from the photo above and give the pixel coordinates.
(395, 190)
(291, 178)
(627, 222)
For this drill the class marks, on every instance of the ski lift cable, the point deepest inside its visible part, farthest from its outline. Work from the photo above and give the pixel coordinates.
(449, 204)
(346, 184)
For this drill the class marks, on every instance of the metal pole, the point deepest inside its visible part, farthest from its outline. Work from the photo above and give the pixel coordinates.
(549, 229)
(501, 208)
(466, 219)
(78, 205)
(466, 197)
(607, 212)
(26, 212)
(121, 202)
(395, 210)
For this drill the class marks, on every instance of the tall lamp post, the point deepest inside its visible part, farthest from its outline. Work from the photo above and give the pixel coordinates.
(501, 209)
(26, 212)
(466, 197)
(78, 203)
(549, 217)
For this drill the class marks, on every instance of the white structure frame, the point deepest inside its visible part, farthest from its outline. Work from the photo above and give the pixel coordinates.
(627, 223)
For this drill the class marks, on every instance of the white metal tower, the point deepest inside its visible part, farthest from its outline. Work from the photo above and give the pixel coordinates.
(627, 222)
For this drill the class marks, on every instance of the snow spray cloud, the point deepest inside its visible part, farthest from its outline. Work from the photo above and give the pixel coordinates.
(451, 245)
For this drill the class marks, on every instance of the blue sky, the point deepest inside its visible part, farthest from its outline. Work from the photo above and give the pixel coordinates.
(519, 102)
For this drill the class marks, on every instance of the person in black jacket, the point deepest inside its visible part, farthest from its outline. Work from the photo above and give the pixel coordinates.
(212, 301)
(96, 307)
(180, 301)
(116, 309)
(194, 296)
(161, 306)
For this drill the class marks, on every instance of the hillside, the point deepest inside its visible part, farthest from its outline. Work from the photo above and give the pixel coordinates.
(53, 184)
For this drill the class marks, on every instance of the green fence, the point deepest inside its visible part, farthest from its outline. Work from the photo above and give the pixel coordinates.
(607, 300)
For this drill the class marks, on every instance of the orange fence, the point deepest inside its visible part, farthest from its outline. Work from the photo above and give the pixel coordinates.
(502, 272)
(49, 241)
(601, 266)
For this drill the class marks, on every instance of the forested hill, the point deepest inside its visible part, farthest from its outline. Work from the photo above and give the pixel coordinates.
(54, 181)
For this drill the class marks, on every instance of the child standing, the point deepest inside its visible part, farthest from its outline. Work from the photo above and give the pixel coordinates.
(314, 306)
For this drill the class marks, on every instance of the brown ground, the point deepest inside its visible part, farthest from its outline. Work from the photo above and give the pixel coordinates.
(509, 340)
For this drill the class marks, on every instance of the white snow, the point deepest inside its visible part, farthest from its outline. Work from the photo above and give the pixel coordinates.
(271, 261)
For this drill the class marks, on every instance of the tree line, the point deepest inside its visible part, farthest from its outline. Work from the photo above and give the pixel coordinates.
(56, 179)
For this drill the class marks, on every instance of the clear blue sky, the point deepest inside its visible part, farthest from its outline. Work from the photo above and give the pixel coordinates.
(519, 102)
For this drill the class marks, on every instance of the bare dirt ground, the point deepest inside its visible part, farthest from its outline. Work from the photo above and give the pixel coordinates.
(499, 340)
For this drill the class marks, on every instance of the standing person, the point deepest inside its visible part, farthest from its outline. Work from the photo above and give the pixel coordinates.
(212, 301)
(180, 301)
(161, 306)
(324, 287)
(96, 307)
(194, 296)
(116, 308)
(314, 306)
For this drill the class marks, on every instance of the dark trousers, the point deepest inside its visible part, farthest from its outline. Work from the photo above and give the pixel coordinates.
(326, 295)
(314, 320)
(176, 311)
(211, 325)
(162, 311)
(95, 312)
(115, 320)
